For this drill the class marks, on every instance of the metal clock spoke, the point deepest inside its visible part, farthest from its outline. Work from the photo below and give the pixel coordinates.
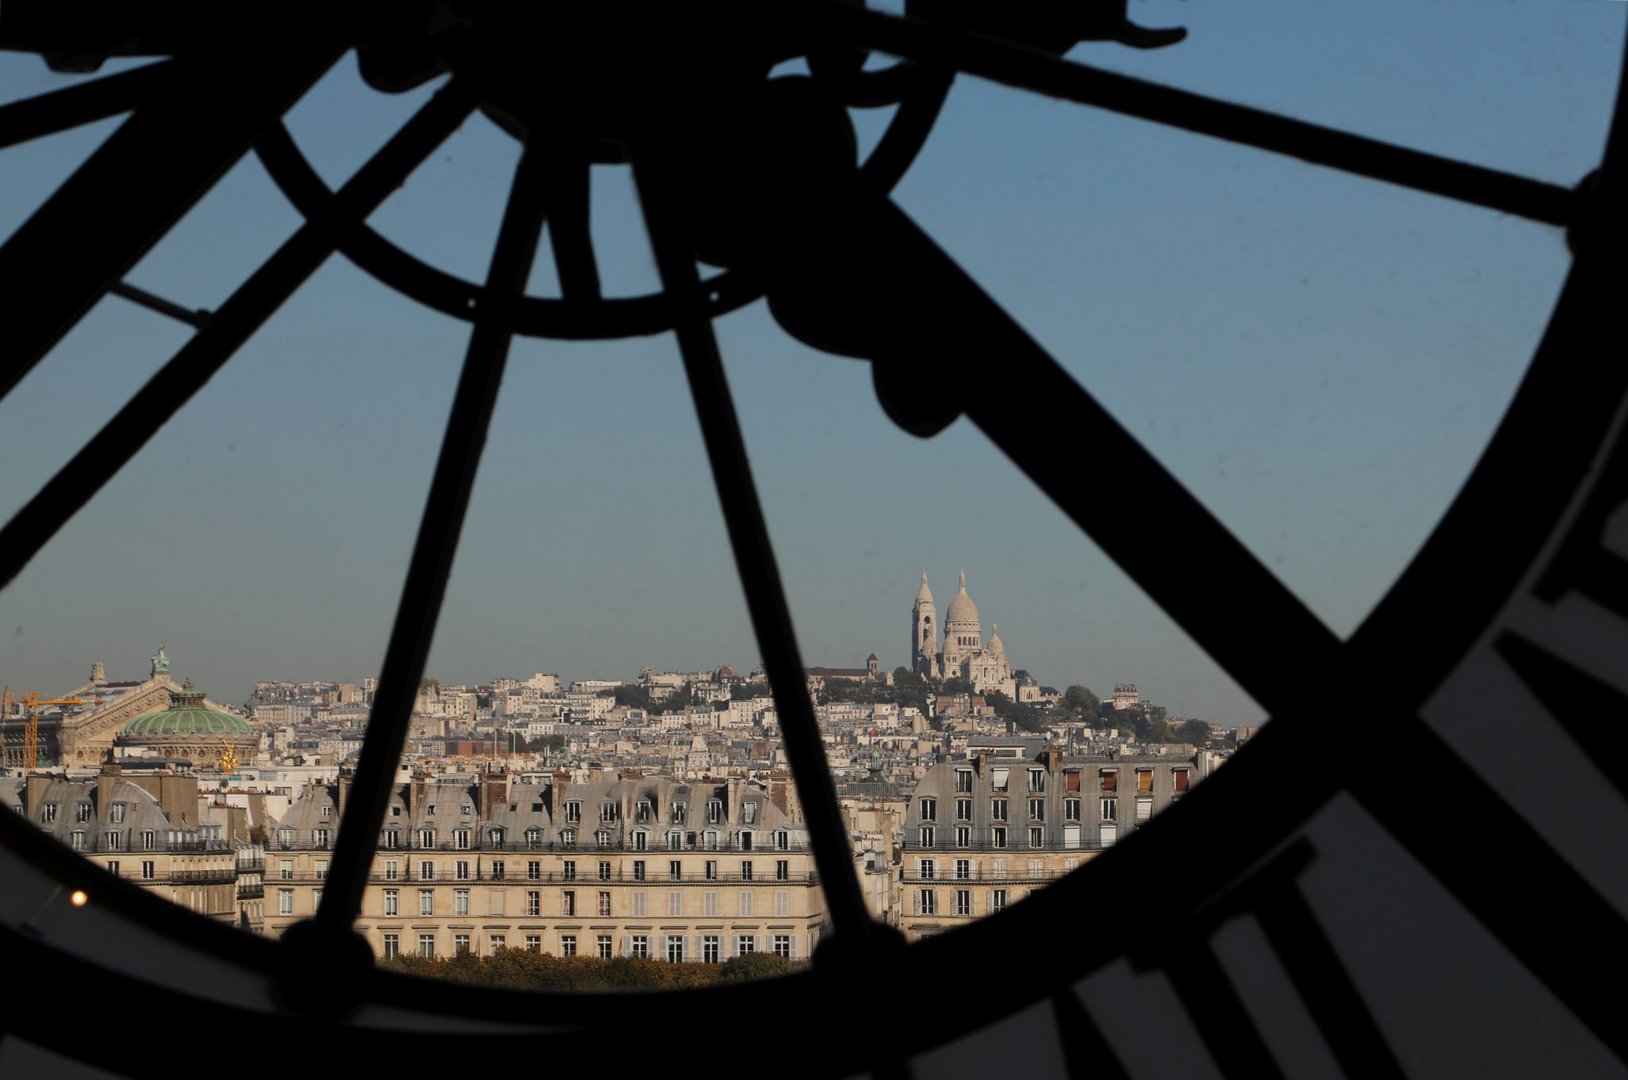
(1030, 69)
(82, 103)
(197, 361)
(115, 207)
(437, 543)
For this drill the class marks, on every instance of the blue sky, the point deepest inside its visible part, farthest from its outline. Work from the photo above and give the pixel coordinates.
(1319, 358)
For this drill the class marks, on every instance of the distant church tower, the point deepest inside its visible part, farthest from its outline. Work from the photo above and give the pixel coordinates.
(924, 632)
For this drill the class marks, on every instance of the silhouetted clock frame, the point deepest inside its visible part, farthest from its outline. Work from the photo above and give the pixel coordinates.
(757, 180)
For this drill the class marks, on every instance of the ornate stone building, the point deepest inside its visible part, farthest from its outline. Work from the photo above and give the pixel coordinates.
(963, 653)
(636, 866)
(80, 733)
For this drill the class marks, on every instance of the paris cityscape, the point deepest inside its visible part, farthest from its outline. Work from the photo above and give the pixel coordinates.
(652, 823)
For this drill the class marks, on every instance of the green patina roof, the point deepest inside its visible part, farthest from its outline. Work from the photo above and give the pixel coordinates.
(187, 716)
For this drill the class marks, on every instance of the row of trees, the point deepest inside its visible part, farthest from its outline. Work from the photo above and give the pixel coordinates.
(523, 969)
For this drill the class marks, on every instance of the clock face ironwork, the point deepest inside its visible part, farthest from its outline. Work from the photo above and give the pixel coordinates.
(751, 186)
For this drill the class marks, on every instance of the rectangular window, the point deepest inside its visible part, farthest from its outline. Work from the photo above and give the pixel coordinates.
(745, 902)
(604, 903)
(929, 810)
(319, 837)
(1037, 868)
(460, 901)
(460, 839)
(997, 899)
(460, 944)
(115, 813)
(497, 869)
(494, 901)
(1144, 807)
(963, 901)
(568, 903)
(568, 944)
(709, 903)
(963, 869)
(392, 902)
(675, 948)
(1109, 832)
(1144, 781)
(675, 870)
(640, 946)
(926, 902)
(392, 946)
(285, 901)
(497, 942)
(963, 779)
(1108, 780)
(534, 903)
(782, 903)
(927, 836)
(638, 905)
(639, 840)
(568, 870)
(963, 836)
(638, 869)
(1037, 809)
(997, 809)
(926, 868)
(607, 812)
(1071, 780)
(1037, 836)
(573, 811)
(997, 836)
(460, 870)
(709, 948)
(746, 870)
(147, 869)
(321, 868)
(113, 867)
(78, 842)
(285, 869)
(426, 945)
(426, 870)
(602, 946)
(82, 812)
(782, 869)
(782, 945)
(1071, 809)
(392, 870)
(534, 943)
(745, 944)
(1178, 779)
(111, 841)
(48, 813)
(963, 809)
(712, 870)
(715, 811)
(1110, 809)
(604, 870)
(149, 839)
(1037, 779)
(426, 902)
(675, 902)
(998, 778)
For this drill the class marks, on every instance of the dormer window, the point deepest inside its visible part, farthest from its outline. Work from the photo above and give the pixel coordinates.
(115, 813)
(715, 811)
(646, 811)
(460, 839)
(426, 838)
(749, 812)
(285, 837)
(534, 837)
(603, 838)
(327, 811)
(392, 838)
(675, 840)
(928, 810)
(82, 811)
(48, 813)
(607, 812)
(429, 811)
(573, 811)
(782, 840)
(464, 809)
(678, 813)
(1037, 779)
(495, 837)
(319, 837)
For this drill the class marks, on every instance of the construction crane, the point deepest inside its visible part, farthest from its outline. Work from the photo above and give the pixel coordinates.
(31, 729)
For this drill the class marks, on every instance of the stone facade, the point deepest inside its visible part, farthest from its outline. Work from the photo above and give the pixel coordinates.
(640, 865)
(962, 653)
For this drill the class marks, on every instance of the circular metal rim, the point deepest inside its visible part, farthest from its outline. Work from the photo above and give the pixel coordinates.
(1435, 583)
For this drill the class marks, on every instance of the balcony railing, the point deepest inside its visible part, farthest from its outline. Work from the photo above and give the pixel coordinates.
(762, 844)
(554, 877)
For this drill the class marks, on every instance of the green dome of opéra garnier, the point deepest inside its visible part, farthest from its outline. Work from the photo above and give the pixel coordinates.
(187, 715)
